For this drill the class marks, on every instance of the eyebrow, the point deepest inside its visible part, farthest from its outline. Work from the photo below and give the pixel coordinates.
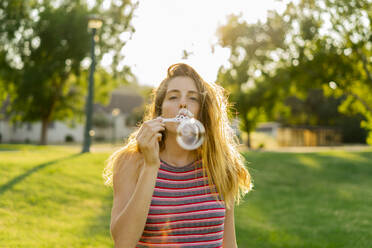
(177, 91)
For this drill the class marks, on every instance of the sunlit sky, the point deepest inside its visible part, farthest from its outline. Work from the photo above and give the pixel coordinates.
(164, 28)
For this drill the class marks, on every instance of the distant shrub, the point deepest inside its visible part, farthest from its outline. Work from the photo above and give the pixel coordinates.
(69, 138)
(100, 120)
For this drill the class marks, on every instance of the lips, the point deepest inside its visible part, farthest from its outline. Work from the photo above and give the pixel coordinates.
(185, 112)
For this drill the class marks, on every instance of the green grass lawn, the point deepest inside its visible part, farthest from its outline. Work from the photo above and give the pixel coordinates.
(54, 197)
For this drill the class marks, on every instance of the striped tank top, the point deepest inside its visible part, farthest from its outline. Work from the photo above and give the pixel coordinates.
(183, 211)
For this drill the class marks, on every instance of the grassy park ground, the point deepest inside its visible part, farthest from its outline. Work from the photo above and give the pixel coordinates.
(53, 196)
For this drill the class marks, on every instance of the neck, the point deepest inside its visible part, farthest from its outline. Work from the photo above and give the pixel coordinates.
(174, 154)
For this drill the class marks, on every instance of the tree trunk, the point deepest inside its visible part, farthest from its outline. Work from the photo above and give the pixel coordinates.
(44, 131)
(249, 140)
(247, 129)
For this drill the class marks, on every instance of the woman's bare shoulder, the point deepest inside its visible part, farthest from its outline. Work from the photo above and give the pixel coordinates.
(128, 164)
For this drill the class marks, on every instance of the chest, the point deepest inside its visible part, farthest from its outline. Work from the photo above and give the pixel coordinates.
(184, 200)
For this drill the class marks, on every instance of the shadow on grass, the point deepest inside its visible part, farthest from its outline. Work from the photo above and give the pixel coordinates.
(5, 149)
(20, 178)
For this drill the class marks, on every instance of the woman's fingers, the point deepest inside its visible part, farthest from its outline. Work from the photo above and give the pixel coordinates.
(157, 129)
(148, 131)
(156, 138)
(152, 126)
(153, 130)
(147, 139)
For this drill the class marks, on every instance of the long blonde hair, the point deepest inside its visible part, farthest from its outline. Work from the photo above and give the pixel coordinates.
(219, 152)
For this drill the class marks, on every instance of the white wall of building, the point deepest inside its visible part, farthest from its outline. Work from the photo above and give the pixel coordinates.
(118, 131)
(58, 131)
(31, 132)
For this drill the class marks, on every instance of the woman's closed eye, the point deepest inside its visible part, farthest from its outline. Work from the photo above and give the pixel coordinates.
(175, 97)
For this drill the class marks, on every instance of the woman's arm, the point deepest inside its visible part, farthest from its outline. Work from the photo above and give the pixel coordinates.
(133, 193)
(132, 199)
(229, 238)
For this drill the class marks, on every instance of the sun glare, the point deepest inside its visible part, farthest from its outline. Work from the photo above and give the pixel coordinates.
(170, 31)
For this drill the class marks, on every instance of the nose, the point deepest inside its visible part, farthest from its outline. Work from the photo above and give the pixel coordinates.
(183, 105)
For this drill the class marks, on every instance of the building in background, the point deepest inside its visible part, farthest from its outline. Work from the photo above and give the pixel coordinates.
(301, 135)
(111, 123)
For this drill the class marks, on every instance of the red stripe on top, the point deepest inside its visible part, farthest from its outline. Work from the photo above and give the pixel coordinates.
(193, 221)
(171, 243)
(186, 196)
(183, 228)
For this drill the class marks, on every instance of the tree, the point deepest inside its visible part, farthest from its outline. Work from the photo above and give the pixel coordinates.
(332, 50)
(42, 47)
(314, 44)
(250, 46)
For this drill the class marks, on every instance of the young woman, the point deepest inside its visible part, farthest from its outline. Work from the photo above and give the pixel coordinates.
(166, 196)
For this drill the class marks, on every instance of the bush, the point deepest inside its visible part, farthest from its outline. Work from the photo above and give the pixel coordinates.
(69, 138)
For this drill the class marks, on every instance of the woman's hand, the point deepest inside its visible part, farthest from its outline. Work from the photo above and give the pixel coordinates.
(148, 139)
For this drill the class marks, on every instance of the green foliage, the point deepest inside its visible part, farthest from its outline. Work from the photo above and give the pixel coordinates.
(250, 46)
(336, 57)
(313, 44)
(42, 47)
